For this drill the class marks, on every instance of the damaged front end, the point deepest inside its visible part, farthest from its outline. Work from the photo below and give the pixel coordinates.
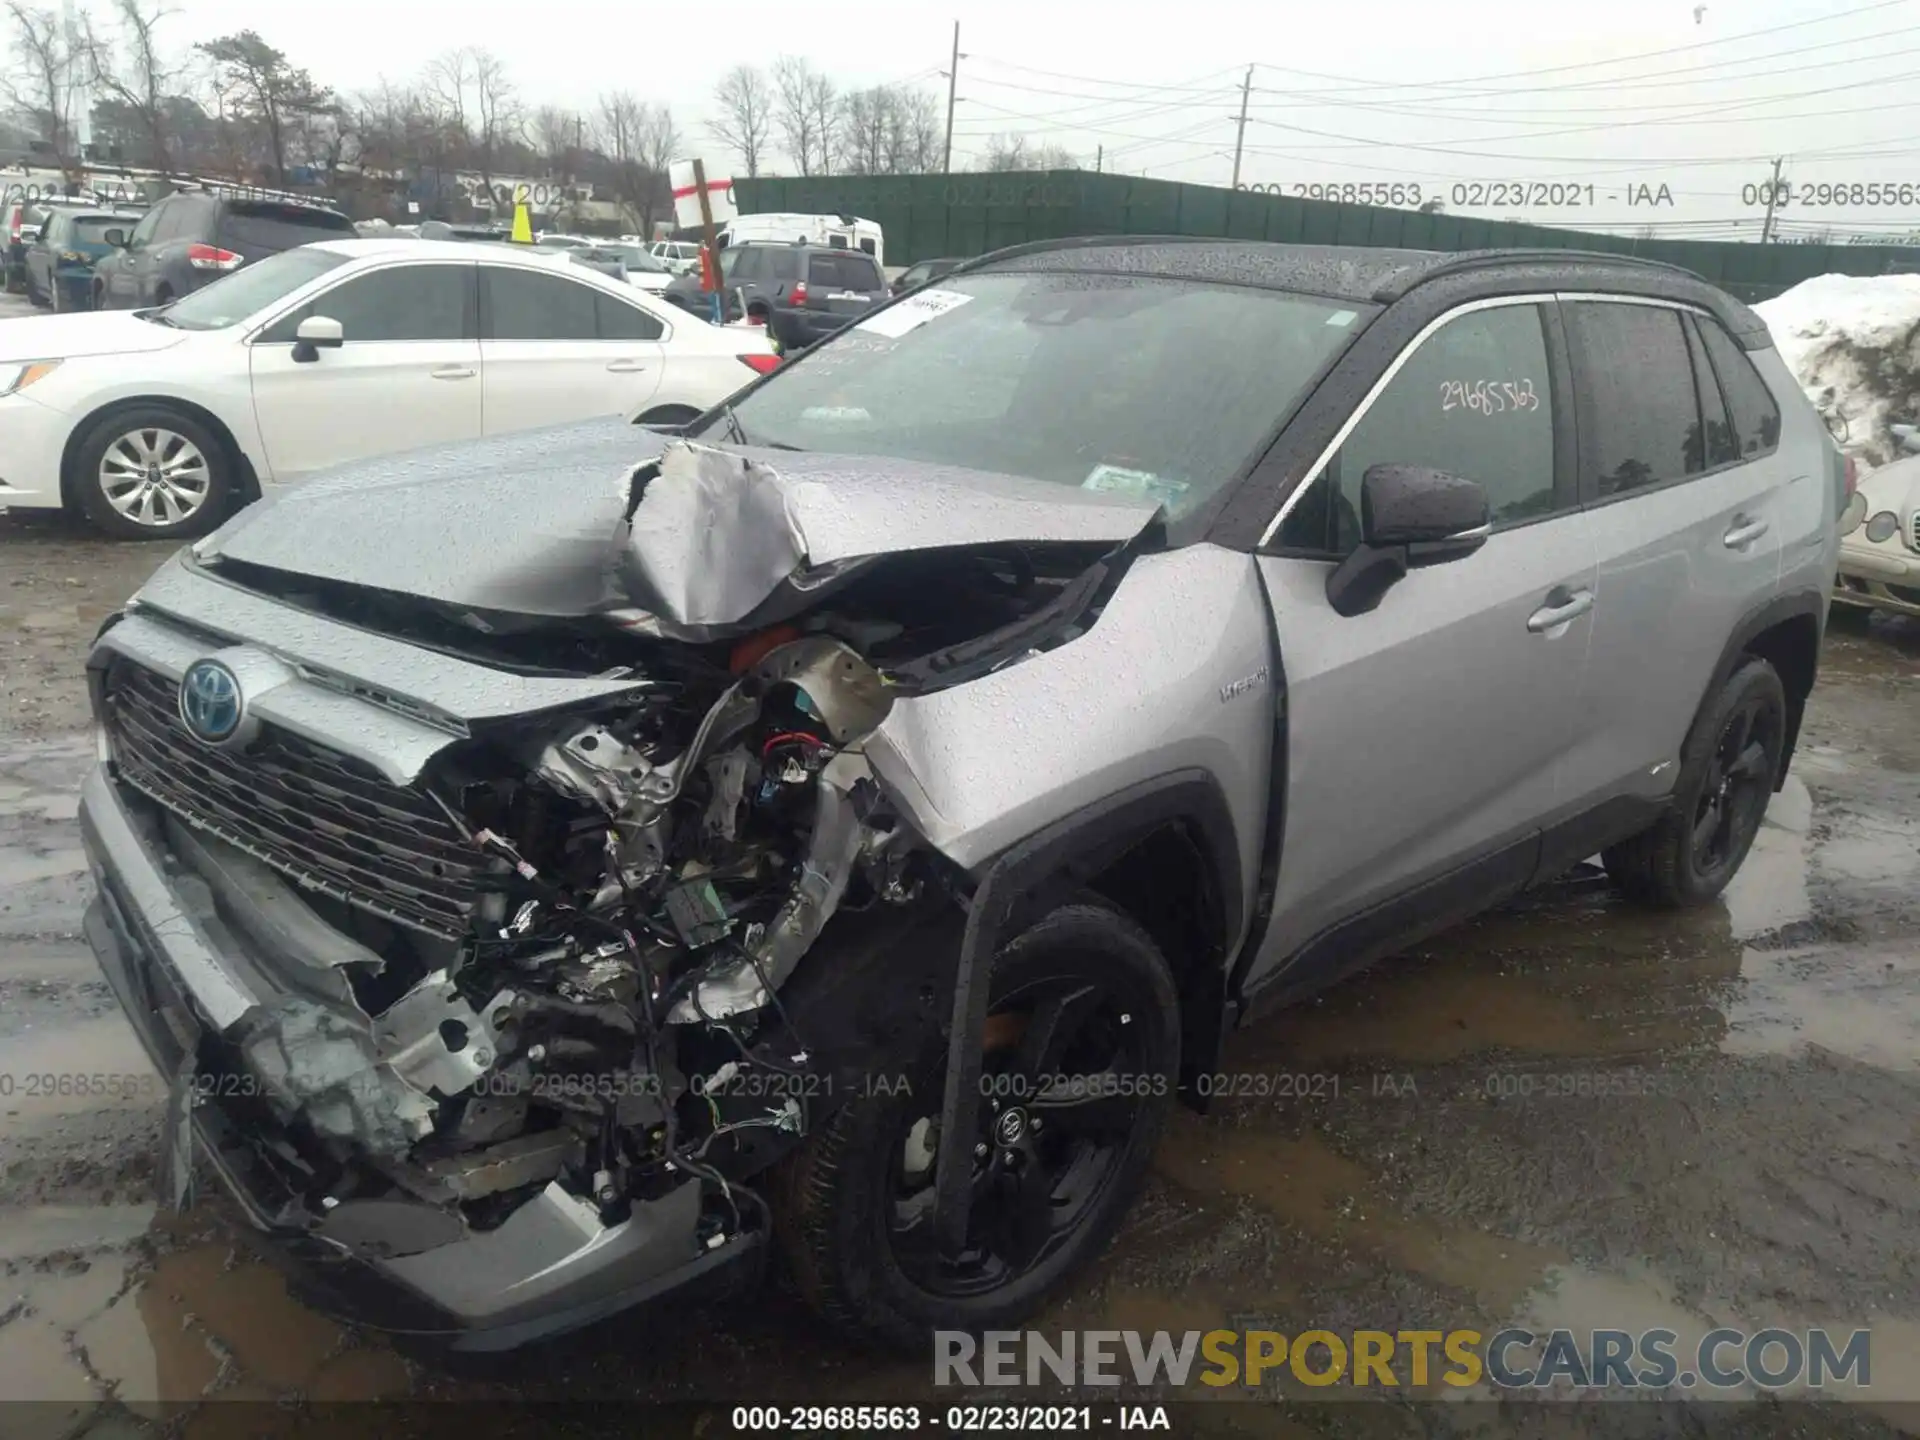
(509, 1016)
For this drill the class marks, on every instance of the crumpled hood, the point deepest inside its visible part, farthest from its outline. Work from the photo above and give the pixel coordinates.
(537, 523)
(92, 332)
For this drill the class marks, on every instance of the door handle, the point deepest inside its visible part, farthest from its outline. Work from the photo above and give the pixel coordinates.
(625, 367)
(1743, 533)
(1562, 605)
(453, 372)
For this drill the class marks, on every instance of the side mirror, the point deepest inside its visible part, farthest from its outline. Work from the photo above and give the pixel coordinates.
(316, 333)
(1411, 516)
(116, 238)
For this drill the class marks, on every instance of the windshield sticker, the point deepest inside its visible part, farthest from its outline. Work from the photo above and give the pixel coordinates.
(1340, 319)
(1486, 397)
(1137, 484)
(913, 312)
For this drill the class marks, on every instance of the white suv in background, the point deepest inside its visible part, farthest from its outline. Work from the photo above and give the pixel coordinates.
(154, 422)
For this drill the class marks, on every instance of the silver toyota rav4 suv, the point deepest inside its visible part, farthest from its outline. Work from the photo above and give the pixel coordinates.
(552, 869)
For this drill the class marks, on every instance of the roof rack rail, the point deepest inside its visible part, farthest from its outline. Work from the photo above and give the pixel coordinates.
(1481, 259)
(245, 190)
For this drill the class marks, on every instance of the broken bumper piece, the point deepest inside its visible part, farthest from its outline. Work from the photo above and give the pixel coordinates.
(393, 1263)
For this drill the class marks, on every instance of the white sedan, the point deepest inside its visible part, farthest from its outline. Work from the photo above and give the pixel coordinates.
(154, 423)
(1880, 541)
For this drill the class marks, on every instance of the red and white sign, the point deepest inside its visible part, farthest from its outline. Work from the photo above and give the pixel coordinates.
(686, 194)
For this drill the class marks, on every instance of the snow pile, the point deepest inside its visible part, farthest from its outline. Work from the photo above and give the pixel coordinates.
(1853, 343)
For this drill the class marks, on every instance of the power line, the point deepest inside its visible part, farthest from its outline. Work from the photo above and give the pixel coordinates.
(1599, 64)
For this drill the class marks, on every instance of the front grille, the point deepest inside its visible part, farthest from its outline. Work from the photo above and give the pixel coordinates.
(1914, 533)
(319, 817)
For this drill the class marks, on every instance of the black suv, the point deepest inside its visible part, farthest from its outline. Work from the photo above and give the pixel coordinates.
(193, 237)
(802, 293)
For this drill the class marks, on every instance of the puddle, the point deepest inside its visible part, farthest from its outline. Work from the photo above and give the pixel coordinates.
(1304, 1183)
(1636, 1299)
(1863, 1003)
(166, 1316)
(1770, 891)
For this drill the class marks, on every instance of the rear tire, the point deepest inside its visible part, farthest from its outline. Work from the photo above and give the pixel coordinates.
(853, 1208)
(1727, 771)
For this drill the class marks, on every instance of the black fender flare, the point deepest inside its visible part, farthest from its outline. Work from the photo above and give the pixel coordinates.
(1029, 878)
(1798, 604)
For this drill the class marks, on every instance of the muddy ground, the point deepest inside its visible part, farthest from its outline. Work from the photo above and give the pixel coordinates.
(1749, 1159)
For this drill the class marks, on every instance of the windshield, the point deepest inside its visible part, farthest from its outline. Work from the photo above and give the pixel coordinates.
(235, 297)
(1155, 388)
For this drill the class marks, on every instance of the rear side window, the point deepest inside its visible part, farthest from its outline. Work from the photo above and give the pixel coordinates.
(786, 265)
(1714, 425)
(1474, 400)
(1640, 422)
(843, 272)
(180, 219)
(1751, 408)
(256, 228)
(621, 321)
(92, 229)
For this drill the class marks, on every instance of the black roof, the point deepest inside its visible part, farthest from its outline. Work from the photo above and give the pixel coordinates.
(1364, 274)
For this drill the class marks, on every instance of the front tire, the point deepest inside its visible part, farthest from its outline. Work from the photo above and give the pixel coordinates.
(153, 473)
(1082, 1057)
(1727, 772)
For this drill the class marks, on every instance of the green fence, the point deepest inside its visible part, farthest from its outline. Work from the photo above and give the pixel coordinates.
(926, 216)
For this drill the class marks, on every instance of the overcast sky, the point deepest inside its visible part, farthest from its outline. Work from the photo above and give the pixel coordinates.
(1377, 91)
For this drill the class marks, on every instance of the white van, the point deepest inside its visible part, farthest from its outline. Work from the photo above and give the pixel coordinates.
(844, 231)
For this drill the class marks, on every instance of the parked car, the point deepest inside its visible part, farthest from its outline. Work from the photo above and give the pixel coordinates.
(848, 232)
(1880, 541)
(645, 271)
(583, 859)
(682, 257)
(23, 220)
(154, 423)
(72, 241)
(801, 293)
(924, 272)
(556, 241)
(193, 237)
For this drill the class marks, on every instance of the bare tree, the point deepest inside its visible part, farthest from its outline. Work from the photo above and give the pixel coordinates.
(1006, 152)
(864, 120)
(916, 134)
(1016, 152)
(255, 81)
(745, 124)
(805, 102)
(131, 72)
(481, 103)
(557, 135)
(40, 81)
(660, 144)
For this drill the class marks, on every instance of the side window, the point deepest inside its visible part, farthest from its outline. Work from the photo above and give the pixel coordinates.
(150, 222)
(621, 321)
(1474, 400)
(178, 220)
(748, 265)
(1718, 432)
(526, 305)
(1641, 422)
(403, 302)
(1751, 408)
(786, 265)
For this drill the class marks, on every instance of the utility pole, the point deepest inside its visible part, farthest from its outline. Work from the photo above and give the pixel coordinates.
(953, 81)
(1099, 158)
(1773, 196)
(1240, 135)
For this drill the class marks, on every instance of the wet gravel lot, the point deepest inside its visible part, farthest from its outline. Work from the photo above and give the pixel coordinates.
(1567, 1113)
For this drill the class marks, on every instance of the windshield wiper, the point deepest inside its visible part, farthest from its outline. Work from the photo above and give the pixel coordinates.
(159, 317)
(734, 432)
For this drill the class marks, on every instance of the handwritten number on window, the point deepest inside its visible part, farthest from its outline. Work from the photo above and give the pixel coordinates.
(1488, 397)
